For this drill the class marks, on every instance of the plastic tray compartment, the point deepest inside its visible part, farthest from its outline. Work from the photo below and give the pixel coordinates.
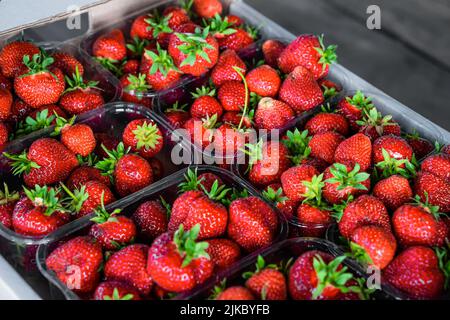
(112, 118)
(291, 248)
(166, 187)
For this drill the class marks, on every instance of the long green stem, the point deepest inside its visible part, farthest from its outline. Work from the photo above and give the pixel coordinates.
(238, 70)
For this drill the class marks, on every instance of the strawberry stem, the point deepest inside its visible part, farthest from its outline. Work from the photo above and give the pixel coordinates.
(187, 246)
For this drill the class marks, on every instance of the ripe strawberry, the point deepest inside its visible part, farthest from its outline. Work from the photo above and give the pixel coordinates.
(4, 134)
(7, 203)
(223, 253)
(263, 81)
(177, 262)
(446, 149)
(129, 265)
(201, 132)
(235, 20)
(151, 219)
(177, 115)
(238, 40)
(330, 89)
(224, 69)
(105, 141)
(234, 119)
(301, 91)
(353, 108)
(6, 100)
(67, 63)
(205, 104)
(393, 191)
(266, 281)
(140, 28)
(81, 175)
(207, 9)
(323, 122)
(343, 181)
(19, 111)
(323, 145)
(363, 211)
(11, 57)
(47, 162)
(143, 136)
(433, 189)
(416, 271)
(232, 95)
(292, 181)
(39, 212)
(252, 223)
(439, 165)
(131, 66)
(207, 180)
(374, 125)
(228, 140)
(135, 88)
(235, 293)
(84, 253)
(177, 16)
(309, 52)
(5, 83)
(355, 150)
(110, 46)
(39, 83)
(272, 49)
(272, 114)
(115, 290)
(78, 138)
(275, 194)
(162, 73)
(192, 55)
(421, 147)
(373, 245)
(396, 147)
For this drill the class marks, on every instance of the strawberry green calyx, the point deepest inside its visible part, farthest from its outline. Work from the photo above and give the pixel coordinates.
(138, 85)
(260, 266)
(217, 193)
(444, 263)
(346, 179)
(187, 246)
(166, 206)
(6, 196)
(254, 99)
(194, 45)
(111, 65)
(390, 166)
(235, 194)
(75, 199)
(360, 101)
(338, 209)
(61, 124)
(177, 107)
(204, 91)
(210, 122)
(40, 62)
(192, 182)
(138, 45)
(313, 195)
(297, 144)
(254, 152)
(328, 55)
(327, 108)
(253, 32)
(161, 61)
(219, 26)
(159, 24)
(218, 289)
(275, 196)
(77, 82)
(42, 120)
(359, 254)
(116, 296)
(374, 118)
(147, 136)
(329, 275)
(108, 164)
(186, 5)
(45, 197)
(433, 210)
(329, 92)
(90, 160)
(102, 215)
(21, 163)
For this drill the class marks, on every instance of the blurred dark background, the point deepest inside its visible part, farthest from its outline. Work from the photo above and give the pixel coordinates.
(409, 58)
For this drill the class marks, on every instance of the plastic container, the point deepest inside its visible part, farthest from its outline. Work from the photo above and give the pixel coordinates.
(112, 118)
(291, 248)
(166, 187)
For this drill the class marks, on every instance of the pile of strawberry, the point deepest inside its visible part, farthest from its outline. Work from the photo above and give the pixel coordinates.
(287, 81)
(163, 249)
(74, 171)
(352, 165)
(163, 47)
(36, 87)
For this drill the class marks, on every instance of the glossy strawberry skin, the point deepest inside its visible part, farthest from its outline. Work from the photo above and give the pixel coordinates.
(95, 189)
(79, 138)
(232, 95)
(236, 293)
(198, 134)
(4, 134)
(206, 106)
(82, 175)
(286, 207)
(11, 57)
(292, 178)
(177, 118)
(19, 110)
(236, 41)
(110, 45)
(356, 149)
(324, 145)
(312, 221)
(223, 253)
(207, 8)
(439, 165)
(141, 29)
(228, 141)
(6, 100)
(6, 212)
(106, 289)
(151, 219)
(437, 189)
(271, 281)
(396, 147)
(81, 100)
(421, 147)
(273, 114)
(121, 230)
(224, 71)
(393, 191)
(264, 81)
(324, 122)
(272, 49)
(132, 173)
(67, 63)
(131, 140)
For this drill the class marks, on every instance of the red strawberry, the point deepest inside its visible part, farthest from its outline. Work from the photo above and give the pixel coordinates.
(140, 28)
(207, 8)
(363, 211)
(309, 52)
(355, 150)
(324, 122)
(223, 252)
(151, 219)
(228, 140)
(374, 125)
(301, 91)
(292, 180)
(177, 115)
(208, 179)
(4, 134)
(353, 108)
(313, 219)
(177, 16)
(224, 69)
(439, 165)
(162, 73)
(323, 145)
(201, 131)
(67, 63)
(115, 290)
(232, 95)
(39, 83)
(433, 189)
(252, 223)
(275, 194)
(6, 100)
(235, 20)
(105, 141)
(416, 272)
(11, 57)
(5, 83)
(396, 147)
(235, 293)
(143, 136)
(237, 40)
(20, 110)
(131, 66)
(421, 147)
(78, 138)
(110, 46)
(47, 162)
(272, 49)
(393, 191)
(82, 255)
(234, 119)
(135, 89)
(177, 262)
(373, 245)
(330, 89)
(446, 149)
(82, 175)
(129, 265)
(7, 203)
(264, 81)
(205, 104)
(273, 114)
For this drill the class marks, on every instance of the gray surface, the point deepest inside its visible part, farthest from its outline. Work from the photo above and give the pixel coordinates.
(406, 59)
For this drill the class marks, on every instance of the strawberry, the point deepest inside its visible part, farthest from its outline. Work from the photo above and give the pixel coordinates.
(235, 293)
(273, 114)
(143, 136)
(205, 104)
(374, 125)
(263, 81)
(40, 118)
(129, 265)
(353, 108)
(223, 253)
(224, 69)
(162, 73)
(355, 150)
(110, 46)
(421, 147)
(419, 225)
(135, 88)
(177, 115)
(67, 63)
(39, 83)
(323, 145)
(135, 49)
(266, 281)
(292, 181)
(82, 175)
(177, 262)
(83, 254)
(5, 83)
(39, 212)
(4, 134)
(433, 189)
(141, 29)
(177, 16)
(272, 49)
(78, 138)
(396, 147)
(207, 8)
(363, 211)
(309, 52)
(208, 179)
(324, 122)
(201, 132)
(232, 95)
(12, 54)
(329, 88)
(252, 223)
(194, 53)
(131, 66)
(446, 149)
(301, 91)
(105, 141)
(19, 110)
(238, 40)
(7, 203)
(234, 118)
(159, 26)
(151, 219)
(228, 140)
(393, 191)
(439, 165)
(115, 290)
(275, 194)
(343, 181)
(318, 275)
(47, 162)
(373, 245)
(6, 100)
(416, 272)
